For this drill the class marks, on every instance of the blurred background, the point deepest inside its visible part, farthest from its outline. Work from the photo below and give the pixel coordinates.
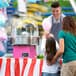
(21, 25)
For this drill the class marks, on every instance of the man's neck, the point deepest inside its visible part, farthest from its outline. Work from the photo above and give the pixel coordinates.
(57, 18)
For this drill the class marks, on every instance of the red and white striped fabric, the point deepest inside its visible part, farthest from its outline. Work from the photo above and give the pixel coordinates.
(20, 67)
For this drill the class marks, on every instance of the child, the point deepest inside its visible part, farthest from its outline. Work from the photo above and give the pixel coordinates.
(50, 70)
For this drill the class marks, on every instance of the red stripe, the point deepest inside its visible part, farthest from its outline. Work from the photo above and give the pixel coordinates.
(24, 65)
(30, 73)
(7, 71)
(0, 63)
(41, 63)
(17, 67)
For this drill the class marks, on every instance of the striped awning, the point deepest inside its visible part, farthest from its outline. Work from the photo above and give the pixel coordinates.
(20, 67)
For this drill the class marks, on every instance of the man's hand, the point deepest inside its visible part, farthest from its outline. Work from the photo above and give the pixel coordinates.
(47, 34)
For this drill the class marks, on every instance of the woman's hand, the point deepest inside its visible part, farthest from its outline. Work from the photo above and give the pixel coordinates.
(53, 61)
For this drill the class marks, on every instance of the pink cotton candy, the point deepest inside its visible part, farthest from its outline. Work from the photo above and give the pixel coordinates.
(3, 35)
(2, 47)
(46, 25)
(46, 0)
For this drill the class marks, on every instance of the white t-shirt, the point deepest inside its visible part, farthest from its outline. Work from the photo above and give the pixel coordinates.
(50, 69)
(47, 22)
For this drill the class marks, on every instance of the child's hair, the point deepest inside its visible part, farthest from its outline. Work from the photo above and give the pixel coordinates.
(55, 4)
(69, 24)
(50, 48)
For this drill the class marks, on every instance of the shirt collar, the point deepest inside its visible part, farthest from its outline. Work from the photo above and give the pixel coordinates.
(56, 21)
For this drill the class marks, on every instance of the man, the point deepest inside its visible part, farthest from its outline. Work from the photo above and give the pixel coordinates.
(53, 24)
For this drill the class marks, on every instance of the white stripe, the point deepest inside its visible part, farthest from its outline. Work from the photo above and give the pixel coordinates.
(3, 67)
(37, 68)
(21, 65)
(27, 67)
(12, 67)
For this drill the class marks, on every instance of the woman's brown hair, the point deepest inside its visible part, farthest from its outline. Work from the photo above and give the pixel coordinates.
(50, 48)
(69, 25)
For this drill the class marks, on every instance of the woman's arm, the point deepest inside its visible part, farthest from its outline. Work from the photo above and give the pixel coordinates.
(60, 51)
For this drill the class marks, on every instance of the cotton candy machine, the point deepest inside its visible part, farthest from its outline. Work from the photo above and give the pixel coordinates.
(27, 35)
(26, 41)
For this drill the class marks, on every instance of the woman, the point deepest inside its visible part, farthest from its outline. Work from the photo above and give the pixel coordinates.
(67, 47)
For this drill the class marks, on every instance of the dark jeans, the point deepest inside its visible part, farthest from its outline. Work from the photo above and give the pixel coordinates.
(50, 74)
